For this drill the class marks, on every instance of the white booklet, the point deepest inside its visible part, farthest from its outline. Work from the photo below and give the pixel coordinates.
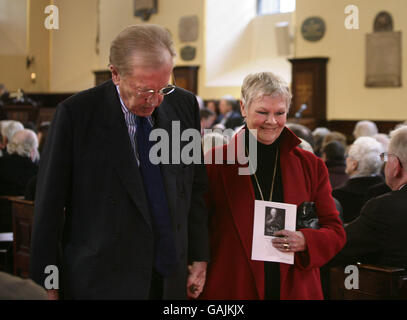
(270, 217)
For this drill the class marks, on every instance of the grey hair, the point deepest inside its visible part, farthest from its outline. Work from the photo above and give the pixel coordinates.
(398, 144)
(149, 42)
(383, 139)
(305, 145)
(24, 143)
(365, 128)
(262, 84)
(11, 128)
(366, 151)
(213, 139)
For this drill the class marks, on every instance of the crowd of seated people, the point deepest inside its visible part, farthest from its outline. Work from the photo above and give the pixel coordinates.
(377, 235)
(20, 149)
(371, 195)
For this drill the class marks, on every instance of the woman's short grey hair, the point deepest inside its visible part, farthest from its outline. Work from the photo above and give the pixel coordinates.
(148, 41)
(262, 84)
(398, 144)
(366, 151)
(11, 128)
(365, 128)
(24, 143)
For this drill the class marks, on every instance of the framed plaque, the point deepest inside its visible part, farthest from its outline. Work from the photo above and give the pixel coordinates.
(383, 59)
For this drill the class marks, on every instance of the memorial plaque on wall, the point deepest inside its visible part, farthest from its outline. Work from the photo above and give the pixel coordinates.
(188, 28)
(383, 59)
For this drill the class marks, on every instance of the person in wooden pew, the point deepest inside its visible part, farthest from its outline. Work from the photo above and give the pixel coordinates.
(8, 129)
(133, 229)
(19, 166)
(378, 235)
(363, 167)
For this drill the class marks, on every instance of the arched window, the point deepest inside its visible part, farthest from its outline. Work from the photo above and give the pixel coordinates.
(275, 6)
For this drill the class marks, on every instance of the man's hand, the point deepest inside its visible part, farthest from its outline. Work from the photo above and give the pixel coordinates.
(53, 294)
(196, 279)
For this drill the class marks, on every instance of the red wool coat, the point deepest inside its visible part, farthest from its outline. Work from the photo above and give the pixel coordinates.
(231, 273)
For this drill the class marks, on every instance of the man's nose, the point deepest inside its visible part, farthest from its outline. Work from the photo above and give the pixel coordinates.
(155, 99)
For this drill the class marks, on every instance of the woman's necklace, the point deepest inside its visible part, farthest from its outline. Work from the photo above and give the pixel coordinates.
(274, 175)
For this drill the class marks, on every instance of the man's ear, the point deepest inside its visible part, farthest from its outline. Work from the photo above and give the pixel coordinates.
(115, 75)
(398, 170)
(354, 164)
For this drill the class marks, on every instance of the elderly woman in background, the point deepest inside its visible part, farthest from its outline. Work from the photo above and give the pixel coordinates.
(365, 128)
(20, 165)
(285, 173)
(363, 166)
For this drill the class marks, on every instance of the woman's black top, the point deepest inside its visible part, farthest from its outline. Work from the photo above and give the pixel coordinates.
(266, 156)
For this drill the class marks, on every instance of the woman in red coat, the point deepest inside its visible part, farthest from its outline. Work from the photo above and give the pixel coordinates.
(285, 173)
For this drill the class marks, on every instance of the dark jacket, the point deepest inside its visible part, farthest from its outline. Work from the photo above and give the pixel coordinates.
(337, 174)
(88, 166)
(15, 172)
(378, 235)
(352, 195)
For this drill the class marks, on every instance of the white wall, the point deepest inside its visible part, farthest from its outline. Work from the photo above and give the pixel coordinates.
(237, 43)
(73, 46)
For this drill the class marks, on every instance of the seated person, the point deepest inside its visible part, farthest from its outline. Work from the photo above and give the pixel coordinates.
(365, 128)
(305, 145)
(229, 108)
(334, 156)
(319, 135)
(378, 236)
(363, 166)
(302, 132)
(19, 166)
(207, 119)
(8, 129)
(334, 136)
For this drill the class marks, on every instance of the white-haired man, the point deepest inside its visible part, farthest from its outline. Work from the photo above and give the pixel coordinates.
(133, 229)
(19, 166)
(378, 235)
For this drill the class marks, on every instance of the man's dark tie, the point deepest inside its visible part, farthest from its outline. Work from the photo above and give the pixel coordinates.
(165, 252)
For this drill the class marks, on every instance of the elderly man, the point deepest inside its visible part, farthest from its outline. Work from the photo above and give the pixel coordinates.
(363, 168)
(379, 235)
(19, 166)
(133, 229)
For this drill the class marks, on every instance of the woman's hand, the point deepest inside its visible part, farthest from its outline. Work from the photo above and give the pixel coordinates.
(289, 241)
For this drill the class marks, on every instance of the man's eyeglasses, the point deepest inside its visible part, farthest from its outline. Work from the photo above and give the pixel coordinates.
(385, 157)
(162, 92)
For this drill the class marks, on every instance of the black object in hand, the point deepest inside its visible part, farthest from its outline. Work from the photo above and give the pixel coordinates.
(307, 216)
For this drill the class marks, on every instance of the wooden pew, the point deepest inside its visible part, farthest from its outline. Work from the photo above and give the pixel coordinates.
(375, 283)
(22, 113)
(6, 233)
(23, 212)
